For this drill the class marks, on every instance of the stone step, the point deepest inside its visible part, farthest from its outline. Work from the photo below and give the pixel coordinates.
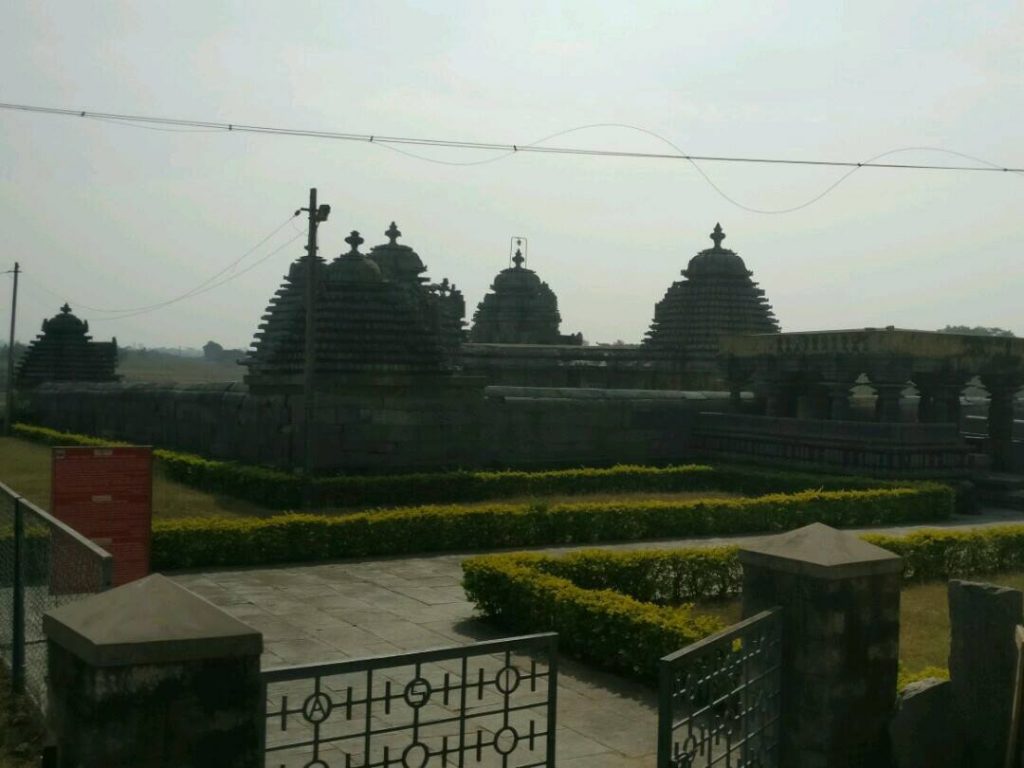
(999, 481)
(1000, 489)
(1010, 500)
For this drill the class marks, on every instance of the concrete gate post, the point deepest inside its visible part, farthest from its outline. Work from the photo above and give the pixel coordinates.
(840, 599)
(150, 675)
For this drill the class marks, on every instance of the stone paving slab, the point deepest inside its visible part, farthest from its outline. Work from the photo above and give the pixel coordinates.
(345, 610)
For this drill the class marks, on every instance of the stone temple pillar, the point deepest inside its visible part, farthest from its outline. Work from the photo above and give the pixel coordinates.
(1002, 391)
(940, 398)
(840, 600)
(838, 400)
(887, 407)
(780, 400)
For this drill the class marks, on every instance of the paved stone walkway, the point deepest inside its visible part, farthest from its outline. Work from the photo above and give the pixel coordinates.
(352, 609)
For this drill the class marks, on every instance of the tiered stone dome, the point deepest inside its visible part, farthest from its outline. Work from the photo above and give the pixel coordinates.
(716, 297)
(402, 265)
(364, 324)
(64, 351)
(397, 261)
(520, 309)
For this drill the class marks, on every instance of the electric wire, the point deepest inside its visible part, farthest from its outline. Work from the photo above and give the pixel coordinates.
(512, 148)
(209, 288)
(198, 290)
(509, 150)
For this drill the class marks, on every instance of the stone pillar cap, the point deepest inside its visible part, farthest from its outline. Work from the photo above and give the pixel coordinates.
(822, 552)
(149, 621)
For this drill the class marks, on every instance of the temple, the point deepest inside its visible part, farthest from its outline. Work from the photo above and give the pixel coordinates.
(64, 351)
(364, 323)
(520, 309)
(716, 297)
(443, 301)
(395, 387)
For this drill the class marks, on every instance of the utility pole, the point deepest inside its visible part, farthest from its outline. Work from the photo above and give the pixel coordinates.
(316, 215)
(9, 420)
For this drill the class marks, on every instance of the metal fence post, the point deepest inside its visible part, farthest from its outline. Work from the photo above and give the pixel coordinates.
(664, 714)
(552, 699)
(18, 602)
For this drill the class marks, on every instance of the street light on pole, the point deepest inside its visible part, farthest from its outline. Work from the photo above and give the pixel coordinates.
(317, 214)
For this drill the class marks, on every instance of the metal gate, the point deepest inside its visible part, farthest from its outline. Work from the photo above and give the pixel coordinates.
(485, 704)
(719, 698)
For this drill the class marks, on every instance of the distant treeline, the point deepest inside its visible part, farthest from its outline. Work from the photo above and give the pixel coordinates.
(978, 330)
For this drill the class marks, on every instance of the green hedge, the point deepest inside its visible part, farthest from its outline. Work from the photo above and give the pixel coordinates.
(663, 577)
(604, 627)
(277, 489)
(189, 543)
(948, 554)
(652, 589)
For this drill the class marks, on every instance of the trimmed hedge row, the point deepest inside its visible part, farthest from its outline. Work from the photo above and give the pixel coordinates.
(283, 490)
(625, 610)
(944, 554)
(189, 543)
(609, 629)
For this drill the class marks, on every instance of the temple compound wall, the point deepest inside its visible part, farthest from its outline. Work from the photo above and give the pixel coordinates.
(426, 425)
(809, 377)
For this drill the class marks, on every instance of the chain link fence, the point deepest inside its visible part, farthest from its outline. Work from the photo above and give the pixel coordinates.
(8, 504)
(43, 564)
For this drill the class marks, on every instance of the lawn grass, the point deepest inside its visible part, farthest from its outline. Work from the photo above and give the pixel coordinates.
(25, 467)
(171, 369)
(924, 619)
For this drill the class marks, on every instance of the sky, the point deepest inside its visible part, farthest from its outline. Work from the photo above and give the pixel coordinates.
(109, 216)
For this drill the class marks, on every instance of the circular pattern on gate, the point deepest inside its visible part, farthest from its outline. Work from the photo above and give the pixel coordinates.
(417, 692)
(415, 755)
(317, 707)
(316, 764)
(507, 679)
(505, 740)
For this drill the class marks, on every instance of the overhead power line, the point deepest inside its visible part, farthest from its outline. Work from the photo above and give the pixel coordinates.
(204, 287)
(512, 148)
(394, 143)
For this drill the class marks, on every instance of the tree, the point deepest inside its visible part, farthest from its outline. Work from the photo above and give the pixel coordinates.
(213, 351)
(978, 330)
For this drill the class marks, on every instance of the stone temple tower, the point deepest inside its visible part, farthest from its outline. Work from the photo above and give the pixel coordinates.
(65, 351)
(401, 265)
(365, 324)
(716, 297)
(520, 309)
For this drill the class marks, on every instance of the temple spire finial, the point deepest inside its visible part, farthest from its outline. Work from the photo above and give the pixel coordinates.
(718, 236)
(518, 259)
(66, 309)
(393, 233)
(355, 241)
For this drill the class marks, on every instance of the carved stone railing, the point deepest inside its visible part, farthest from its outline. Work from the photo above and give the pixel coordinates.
(879, 448)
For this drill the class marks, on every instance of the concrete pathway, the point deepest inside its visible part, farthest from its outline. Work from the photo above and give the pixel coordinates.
(351, 609)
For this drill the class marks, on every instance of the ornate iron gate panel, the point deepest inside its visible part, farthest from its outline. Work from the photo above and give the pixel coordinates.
(719, 698)
(485, 704)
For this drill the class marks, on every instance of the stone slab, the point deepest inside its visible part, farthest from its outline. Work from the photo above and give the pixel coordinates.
(149, 621)
(924, 731)
(820, 551)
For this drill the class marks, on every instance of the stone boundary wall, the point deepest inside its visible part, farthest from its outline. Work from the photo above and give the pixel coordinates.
(876, 448)
(458, 423)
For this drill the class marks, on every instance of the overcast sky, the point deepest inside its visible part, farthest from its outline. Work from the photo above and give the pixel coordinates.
(113, 216)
